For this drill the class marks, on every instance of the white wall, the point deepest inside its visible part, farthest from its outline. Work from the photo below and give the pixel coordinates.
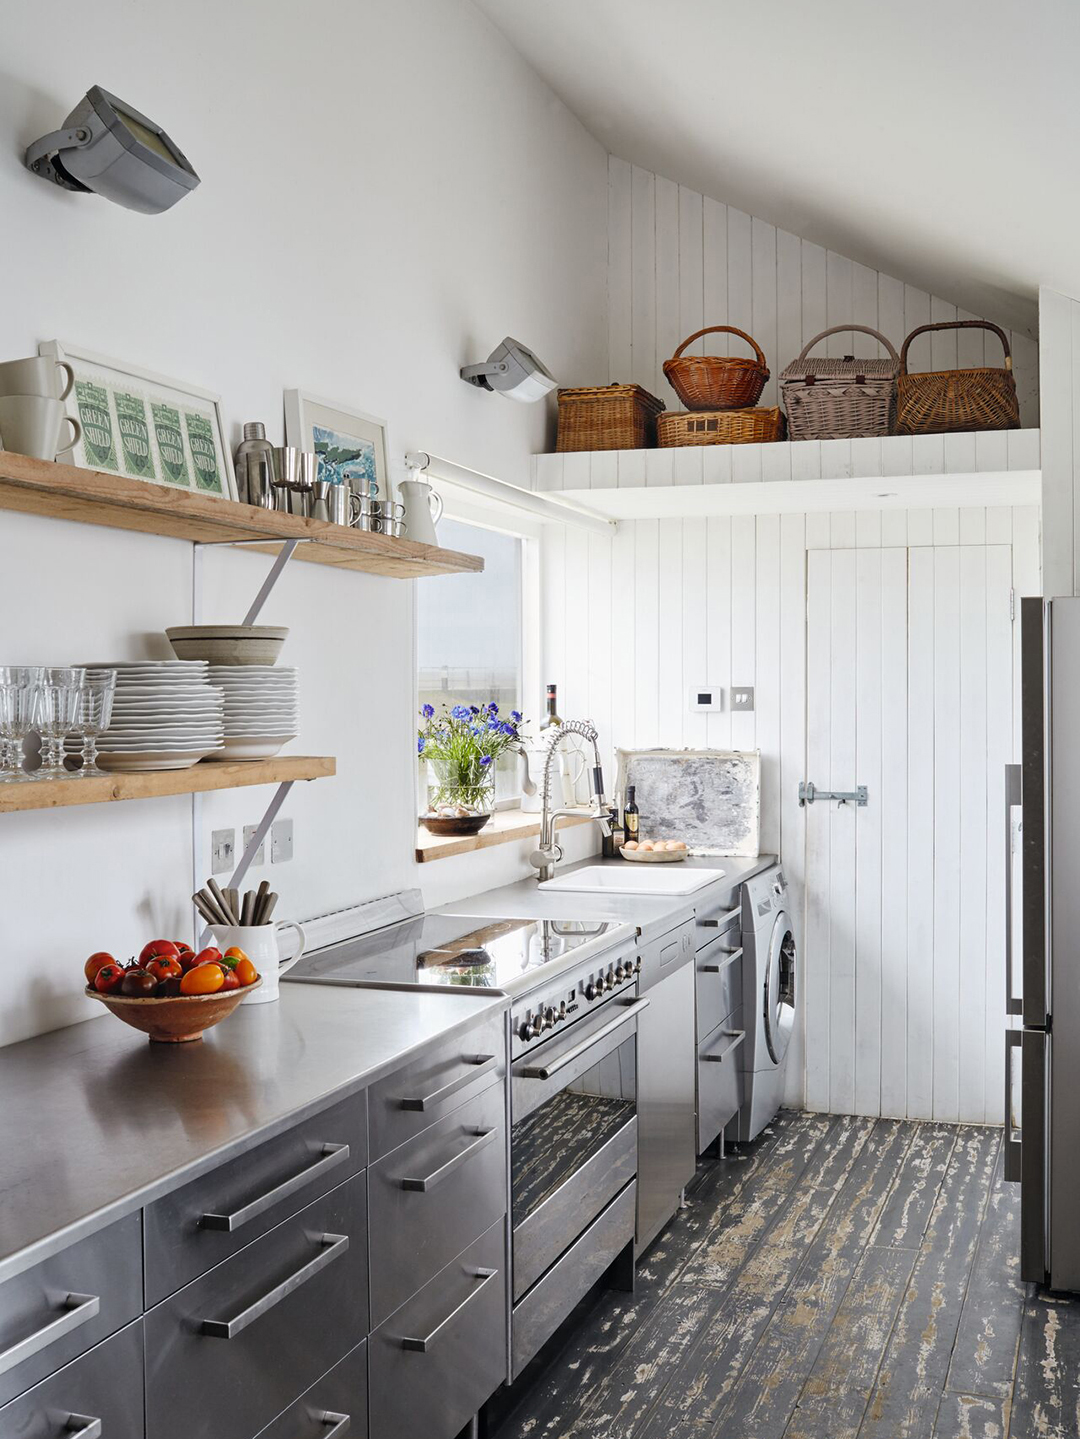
(386, 191)
(679, 261)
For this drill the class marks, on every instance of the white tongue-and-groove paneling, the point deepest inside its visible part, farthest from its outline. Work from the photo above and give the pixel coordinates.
(679, 261)
(633, 623)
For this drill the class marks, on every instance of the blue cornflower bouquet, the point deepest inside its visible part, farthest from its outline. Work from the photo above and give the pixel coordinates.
(463, 744)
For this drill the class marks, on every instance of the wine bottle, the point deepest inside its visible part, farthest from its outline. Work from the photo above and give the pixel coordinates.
(630, 815)
(552, 715)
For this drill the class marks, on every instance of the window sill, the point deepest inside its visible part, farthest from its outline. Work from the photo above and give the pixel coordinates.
(504, 827)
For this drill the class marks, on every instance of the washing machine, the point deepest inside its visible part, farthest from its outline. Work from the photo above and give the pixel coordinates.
(770, 968)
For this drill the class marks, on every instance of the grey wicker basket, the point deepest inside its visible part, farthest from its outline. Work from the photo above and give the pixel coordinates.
(838, 399)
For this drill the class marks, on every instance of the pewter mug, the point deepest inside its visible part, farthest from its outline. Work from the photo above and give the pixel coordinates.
(343, 505)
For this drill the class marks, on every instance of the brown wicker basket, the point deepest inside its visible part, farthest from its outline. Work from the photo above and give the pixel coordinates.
(607, 417)
(943, 400)
(717, 382)
(720, 427)
(839, 399)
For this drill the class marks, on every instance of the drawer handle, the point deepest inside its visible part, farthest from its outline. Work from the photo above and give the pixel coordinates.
(479, 1063)
(729, 959)
(81, 1426)
(332, 1156)
(339, 1421)
(421, 1346)
(548, 1071)
(483, 1138)
(332, 1247)
(78, 1309)
(720, 921)
(736, 1036)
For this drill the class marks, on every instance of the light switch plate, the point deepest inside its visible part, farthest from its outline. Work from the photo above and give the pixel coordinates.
(706, 700)
(259, 857)
(281, 841)
(222, 851)
(742, 699)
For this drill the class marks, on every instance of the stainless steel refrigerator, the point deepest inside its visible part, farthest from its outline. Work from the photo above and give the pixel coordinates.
(1042, 1051)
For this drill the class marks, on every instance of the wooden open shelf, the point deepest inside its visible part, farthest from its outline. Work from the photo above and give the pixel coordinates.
(41, 487)
(207, 775)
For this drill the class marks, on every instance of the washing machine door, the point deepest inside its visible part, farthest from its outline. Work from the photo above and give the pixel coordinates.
(780, 988)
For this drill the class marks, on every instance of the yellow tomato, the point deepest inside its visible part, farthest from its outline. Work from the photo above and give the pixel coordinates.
(203, 979)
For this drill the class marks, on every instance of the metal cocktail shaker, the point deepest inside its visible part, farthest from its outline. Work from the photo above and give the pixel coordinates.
(253, 447)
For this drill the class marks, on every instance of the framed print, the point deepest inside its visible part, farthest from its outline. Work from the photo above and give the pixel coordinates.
(350, 445)
(145, 426)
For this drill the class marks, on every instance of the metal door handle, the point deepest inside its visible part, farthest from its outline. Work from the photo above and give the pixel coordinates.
(548, 1071)
(1013, 1137)
(332, 1156)
(421, 1346)
(484, 1138)
(1013, 796)
(339, 1421)
(480, 1064)
(808, 793)
(736, 1036)
(719, 923)
(332, 1245)
(732, 956)
(81, 1426)
(78, 1309)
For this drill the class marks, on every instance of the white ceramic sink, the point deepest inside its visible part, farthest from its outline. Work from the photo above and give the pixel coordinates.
(660, 879)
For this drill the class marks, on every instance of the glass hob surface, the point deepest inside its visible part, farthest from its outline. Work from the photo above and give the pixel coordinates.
(442, 949)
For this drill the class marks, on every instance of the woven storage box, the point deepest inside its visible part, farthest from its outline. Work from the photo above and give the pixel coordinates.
(607, 417)
(943, 400)
(720, 427)
(839, 399)
(717, 382)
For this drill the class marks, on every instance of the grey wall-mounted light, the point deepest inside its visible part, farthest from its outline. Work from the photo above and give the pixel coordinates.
(108, 147)
(513, 371)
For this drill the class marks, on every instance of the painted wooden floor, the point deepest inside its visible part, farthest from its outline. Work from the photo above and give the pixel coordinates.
(840, 1278)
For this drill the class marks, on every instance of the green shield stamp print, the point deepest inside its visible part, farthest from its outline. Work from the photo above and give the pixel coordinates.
(134, 435)
(93, 405)
(170, 443)
(203, 453)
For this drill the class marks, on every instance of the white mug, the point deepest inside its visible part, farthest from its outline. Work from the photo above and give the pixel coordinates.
(260, 943)
(31, 425)
(39, 375)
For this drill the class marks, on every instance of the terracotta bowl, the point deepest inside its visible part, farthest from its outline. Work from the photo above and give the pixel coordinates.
(650, 856)
(175, 1020)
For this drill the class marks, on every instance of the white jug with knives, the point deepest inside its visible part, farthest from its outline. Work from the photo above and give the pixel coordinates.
(260, 943)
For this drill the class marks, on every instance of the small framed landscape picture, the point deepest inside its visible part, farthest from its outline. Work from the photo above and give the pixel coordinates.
(145, 426)
(351, 446)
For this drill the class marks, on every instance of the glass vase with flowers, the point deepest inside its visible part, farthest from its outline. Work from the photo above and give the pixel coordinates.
(461, 747)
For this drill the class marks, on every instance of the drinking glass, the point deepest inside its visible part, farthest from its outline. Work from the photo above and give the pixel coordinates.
(56, 707)
(92, 718)
(17, 686)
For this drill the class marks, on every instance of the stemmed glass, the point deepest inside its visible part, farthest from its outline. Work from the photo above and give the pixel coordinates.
(92, 718)
(18, 684)
(55, 712)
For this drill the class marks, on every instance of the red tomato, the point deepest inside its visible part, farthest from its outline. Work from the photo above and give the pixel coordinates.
(188, 958)
(231, 980)
(156, 947)
(209, 955)
(163, 966)
(95, 962)
(108, 979)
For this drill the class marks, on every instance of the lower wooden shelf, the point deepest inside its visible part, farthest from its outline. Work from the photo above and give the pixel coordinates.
(207, 775)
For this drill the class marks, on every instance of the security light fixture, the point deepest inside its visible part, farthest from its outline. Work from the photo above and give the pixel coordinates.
(106, 146)
(513, 371)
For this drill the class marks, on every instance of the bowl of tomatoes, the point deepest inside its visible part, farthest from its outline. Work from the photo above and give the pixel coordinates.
(170, 992)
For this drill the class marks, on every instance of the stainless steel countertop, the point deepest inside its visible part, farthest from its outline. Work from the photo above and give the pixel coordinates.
(95, 1121)
(652, 915)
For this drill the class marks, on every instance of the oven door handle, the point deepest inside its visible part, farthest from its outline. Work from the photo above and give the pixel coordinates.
(568, 1056)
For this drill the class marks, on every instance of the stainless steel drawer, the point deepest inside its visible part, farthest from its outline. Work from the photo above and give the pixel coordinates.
(548, 1303)
(331, 1408)
(718, 981)
(228, 1352)
(433, 1196)
(719, 1078)
(414, 1097)
(208, 1220)
(65, 1304)
(721, 919)
(443, 1354)
(98, 1394)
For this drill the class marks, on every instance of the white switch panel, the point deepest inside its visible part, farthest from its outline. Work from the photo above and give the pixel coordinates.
(706, 700)
(259, 856)
(222, 851)
(742, 699)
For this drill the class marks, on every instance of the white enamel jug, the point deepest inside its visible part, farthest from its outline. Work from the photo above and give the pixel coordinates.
(423, 510)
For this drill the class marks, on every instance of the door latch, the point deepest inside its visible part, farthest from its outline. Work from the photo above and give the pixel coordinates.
(808, 794)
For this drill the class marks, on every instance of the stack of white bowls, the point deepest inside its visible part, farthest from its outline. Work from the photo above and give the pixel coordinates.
(261, 709)
(165, 715)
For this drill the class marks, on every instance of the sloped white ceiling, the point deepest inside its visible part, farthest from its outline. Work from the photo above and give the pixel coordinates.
(937, 140)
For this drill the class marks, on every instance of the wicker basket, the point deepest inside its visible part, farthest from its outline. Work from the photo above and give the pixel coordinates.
(717, 382)
(833, 399)
(607, 417)
(943, 400)
(720, 427)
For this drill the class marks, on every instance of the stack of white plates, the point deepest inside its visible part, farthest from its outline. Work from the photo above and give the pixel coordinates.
(166, 715)
(261, 711)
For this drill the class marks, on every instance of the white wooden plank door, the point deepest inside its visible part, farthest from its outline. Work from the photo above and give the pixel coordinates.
(909, 684)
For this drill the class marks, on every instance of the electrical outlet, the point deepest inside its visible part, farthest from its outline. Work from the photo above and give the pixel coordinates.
(222, 851)
(259, 857)
(281, 841)
(742, 699)
(706, 700)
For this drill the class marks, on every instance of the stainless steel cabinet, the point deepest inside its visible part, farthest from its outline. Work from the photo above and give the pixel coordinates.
(97, 1396)
(66, 1304)
(719, 1078)
(718, 980)
(334, 1406)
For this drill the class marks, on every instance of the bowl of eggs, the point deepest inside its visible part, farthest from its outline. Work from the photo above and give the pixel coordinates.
(654, 851)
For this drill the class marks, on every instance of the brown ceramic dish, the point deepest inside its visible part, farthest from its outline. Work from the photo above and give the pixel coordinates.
(458, 824)
(174, 1020)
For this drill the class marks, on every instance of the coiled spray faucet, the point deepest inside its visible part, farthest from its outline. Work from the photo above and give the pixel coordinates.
(548, 853)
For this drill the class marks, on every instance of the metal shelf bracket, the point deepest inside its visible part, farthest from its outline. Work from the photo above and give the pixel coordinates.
(284, 555)
(252, 846)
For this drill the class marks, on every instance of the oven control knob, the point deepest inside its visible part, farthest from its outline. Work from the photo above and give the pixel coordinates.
(637, 966)
(621, 974)
(592, 989)
(562, 1011)
(525, 1029)
(609, 979)
(549, 1018)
